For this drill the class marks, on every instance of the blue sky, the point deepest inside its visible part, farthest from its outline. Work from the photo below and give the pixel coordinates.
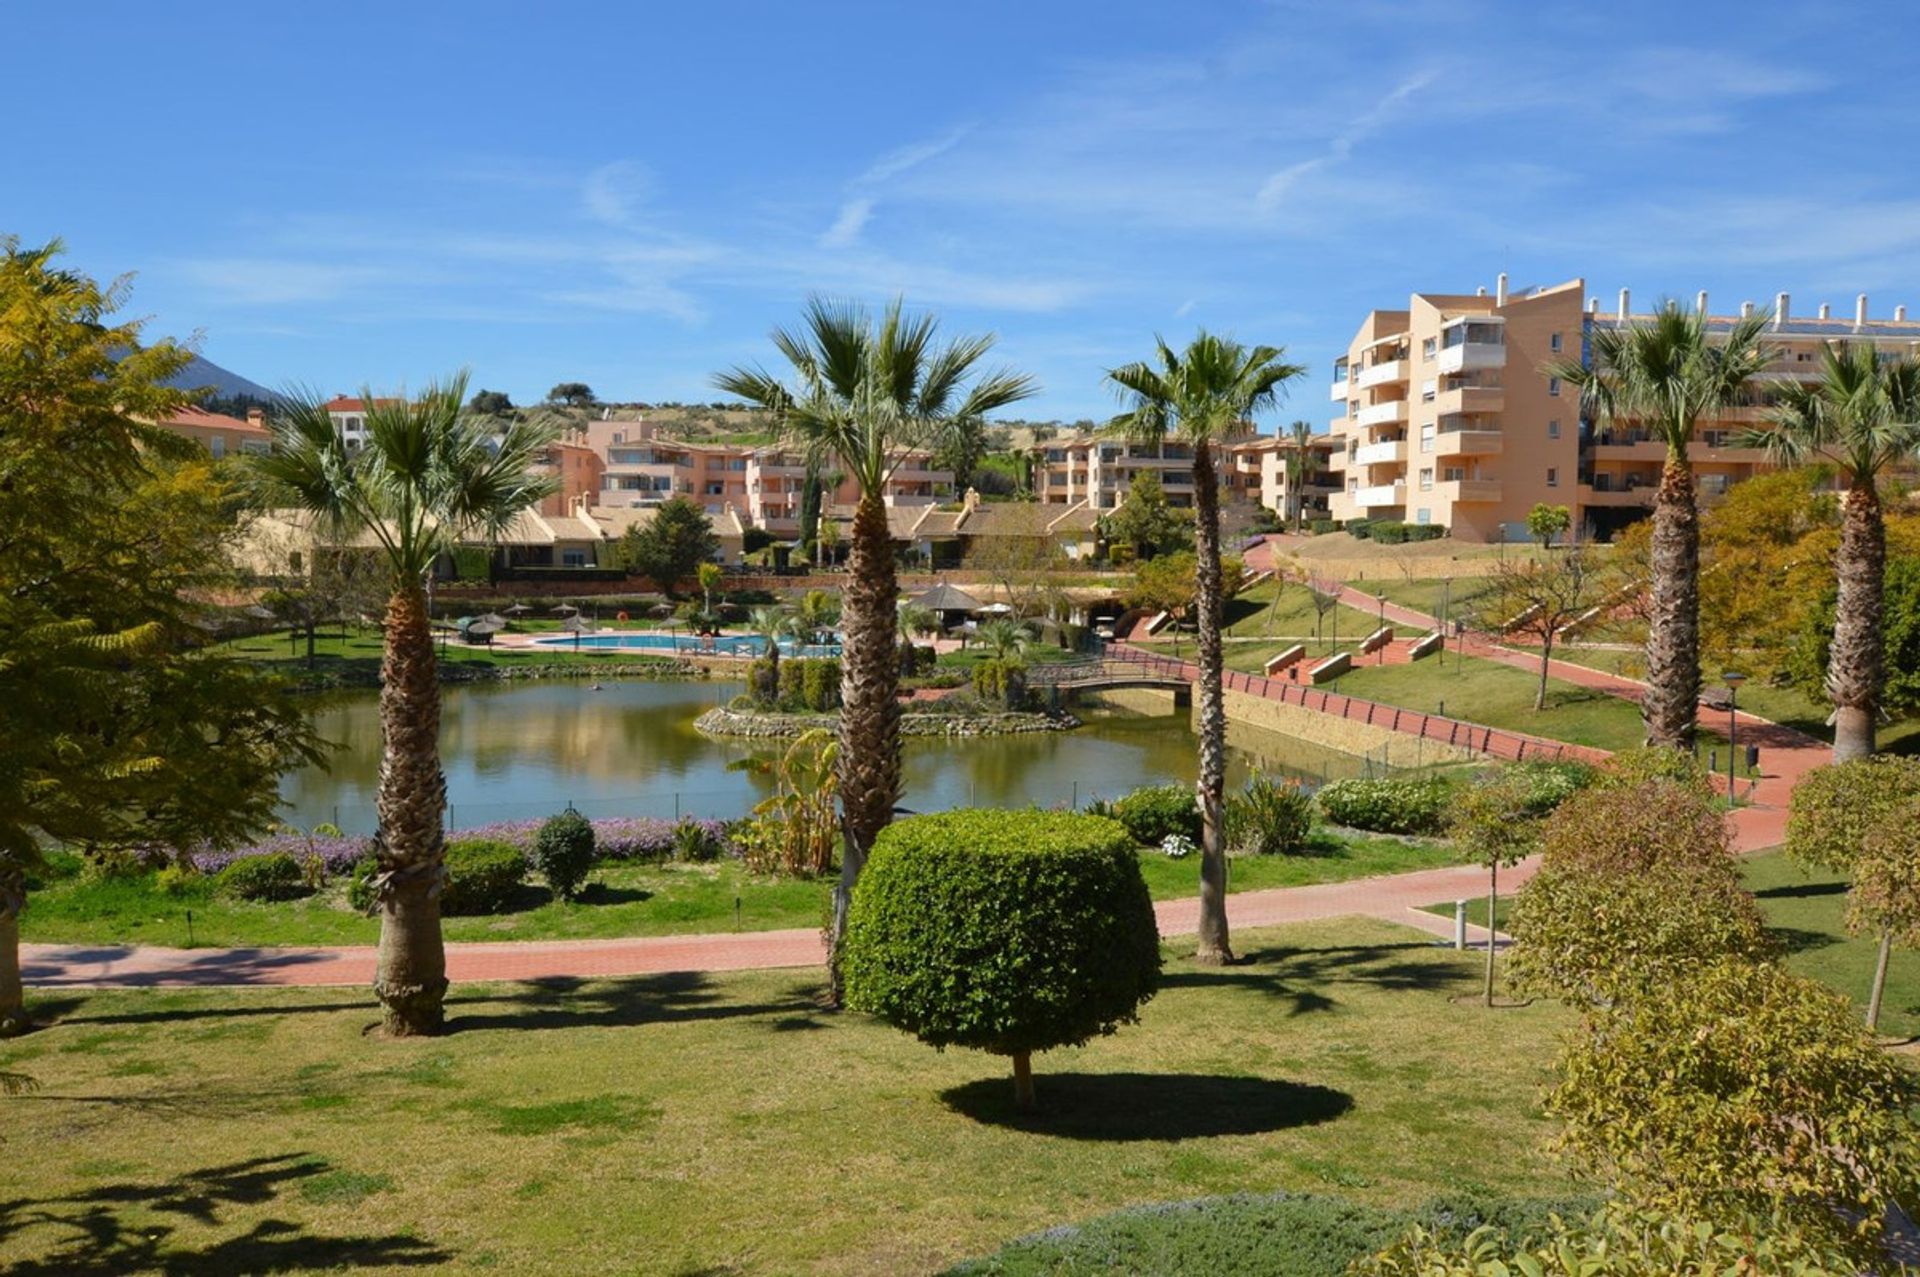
(631, 195)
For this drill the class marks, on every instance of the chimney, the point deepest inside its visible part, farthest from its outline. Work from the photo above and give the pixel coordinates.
(257, 417)
(1746, 309)
(1826, 311)
(1480, 291)
(970, 501)
(1860, 311)
(1626, 299)
(1500, 289)
(1700, 303)
(1593, 305)
(1899, 314)
(1782, 307)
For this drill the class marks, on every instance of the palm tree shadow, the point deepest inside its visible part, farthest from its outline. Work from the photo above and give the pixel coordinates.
(110, 1229)
(1304, 978)
(1149, 1106)
(567, 1002)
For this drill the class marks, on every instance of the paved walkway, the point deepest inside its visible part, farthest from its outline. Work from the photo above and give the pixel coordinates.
(1395, 897)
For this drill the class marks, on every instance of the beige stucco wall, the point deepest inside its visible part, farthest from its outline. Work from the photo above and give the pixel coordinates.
(1395, 749)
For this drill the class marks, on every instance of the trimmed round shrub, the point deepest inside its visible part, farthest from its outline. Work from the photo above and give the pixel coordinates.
(1006, 931)
(1266, 819)
(360, 884)
(1387, 806)
(482, 876)
(274, 877)
(1153, 812)
(1544, 786)
(563, 852)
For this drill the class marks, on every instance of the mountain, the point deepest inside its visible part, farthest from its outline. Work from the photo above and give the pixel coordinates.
(227, 385)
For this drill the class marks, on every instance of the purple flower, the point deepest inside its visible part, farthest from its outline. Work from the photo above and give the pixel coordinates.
(615, 838)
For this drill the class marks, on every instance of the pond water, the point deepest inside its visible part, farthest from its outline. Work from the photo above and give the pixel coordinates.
(524, 750)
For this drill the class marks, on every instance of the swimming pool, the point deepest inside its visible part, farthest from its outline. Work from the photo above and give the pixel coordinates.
(725, 645)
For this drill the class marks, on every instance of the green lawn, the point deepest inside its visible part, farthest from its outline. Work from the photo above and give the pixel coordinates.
(622, 900)
(721, 1124)
(1254, 614)
(1486, 692)
(1424, 594)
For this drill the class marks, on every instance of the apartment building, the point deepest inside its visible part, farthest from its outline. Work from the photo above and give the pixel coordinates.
(763, 483)
(1448, 416)
(1098, 471)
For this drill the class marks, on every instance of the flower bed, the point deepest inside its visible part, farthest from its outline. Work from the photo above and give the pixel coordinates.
(615, 838)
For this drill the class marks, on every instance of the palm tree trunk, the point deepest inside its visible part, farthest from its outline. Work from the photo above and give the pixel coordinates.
(411, 981)
(13, 996)
(1673, 624)
(869, 764)
(1209, 607)
(1854, 666)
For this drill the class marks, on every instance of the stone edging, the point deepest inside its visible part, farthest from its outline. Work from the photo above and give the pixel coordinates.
(721, 721)
(478, 673)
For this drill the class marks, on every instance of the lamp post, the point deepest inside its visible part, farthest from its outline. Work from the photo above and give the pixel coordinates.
(1383, 622)
(1733, 679)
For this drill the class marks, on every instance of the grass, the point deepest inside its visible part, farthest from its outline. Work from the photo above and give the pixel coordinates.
(1486, 692)
(1476, 909)
(623, 899)
(720, 1123)
(1423, 594)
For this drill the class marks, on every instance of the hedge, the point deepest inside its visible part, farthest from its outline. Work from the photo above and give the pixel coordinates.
(482, 876)
(262, 878)
(1006, 931)
(1152, 812)
(1387, 806)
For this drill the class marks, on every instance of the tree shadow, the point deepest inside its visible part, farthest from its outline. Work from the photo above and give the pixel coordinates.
(1801, 940)
(110, 1229)
(1303, 978)
(1803, 891)
(1149, 1106)
(567, 1002)
(600, 893)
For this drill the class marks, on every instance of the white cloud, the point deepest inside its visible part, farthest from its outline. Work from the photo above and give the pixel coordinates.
(1185, 308)
(914, 154)
(613, 192)
(268, 281)
(846, 228)
(1340, 148)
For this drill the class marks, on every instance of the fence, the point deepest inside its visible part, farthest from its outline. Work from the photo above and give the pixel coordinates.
(1490, 741)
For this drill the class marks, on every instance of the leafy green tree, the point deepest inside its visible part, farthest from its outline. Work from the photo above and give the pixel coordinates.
(1200, 396)
(1303, 462)
(1834, 814)
(864, 392)
(574, 394)
(1494, 823)
(670, 547)
(490, 403)
(119, 726)
(1744, 1089)
(962, 450)
(1144, 524)
(1537, 599)
(1664, 375)
(1862, 417)
(428, 478)
(1004, 931)
(1545, 522)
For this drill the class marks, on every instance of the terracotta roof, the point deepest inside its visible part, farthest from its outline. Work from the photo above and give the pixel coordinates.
(341, 403)
(1026, 519)
(196, 416)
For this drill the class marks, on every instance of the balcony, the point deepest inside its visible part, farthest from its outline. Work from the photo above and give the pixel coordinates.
(1468, 443)
(1383, 373)
(1341, 389)
(1470, 400)
(1627, 446)
(1381, 414)
(1470, 356)
(1468, 491)
(1383, 453)
(1384, 494)
(1641, 496)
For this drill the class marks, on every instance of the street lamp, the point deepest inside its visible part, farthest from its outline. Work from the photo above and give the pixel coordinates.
(1733, 679)
(1383, 622)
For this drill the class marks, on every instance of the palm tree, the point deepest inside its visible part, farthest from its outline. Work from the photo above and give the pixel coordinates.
(769, 624)
(1305, 462)
(428, 478)
(710, 578)
(863, 391)
(1666, 374)
(1007, 638)
(1863, 416)
(1200, 396)
(916, 621)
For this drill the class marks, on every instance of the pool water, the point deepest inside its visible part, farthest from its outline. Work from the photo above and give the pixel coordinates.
(724, 645)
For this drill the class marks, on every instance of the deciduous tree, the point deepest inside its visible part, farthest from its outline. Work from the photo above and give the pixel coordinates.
(670, 547)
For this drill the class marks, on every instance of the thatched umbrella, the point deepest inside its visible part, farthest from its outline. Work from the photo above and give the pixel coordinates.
(518, 609)
(576, 626)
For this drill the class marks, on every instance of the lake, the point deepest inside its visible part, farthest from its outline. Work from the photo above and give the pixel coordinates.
(524, 750)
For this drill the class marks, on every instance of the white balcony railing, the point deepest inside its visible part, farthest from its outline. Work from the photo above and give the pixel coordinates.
(1382, 374)
(1382, 453)
(1469, 356)
(1381, 414)
(1381, 495)
(1341, 389)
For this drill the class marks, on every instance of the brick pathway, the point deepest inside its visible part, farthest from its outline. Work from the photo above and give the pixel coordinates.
(1394, 897)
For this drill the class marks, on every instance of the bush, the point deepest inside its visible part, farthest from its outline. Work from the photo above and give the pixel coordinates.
(763, 682)
(792, 695)
(1001, 683)
(696, 842)
(1362, 528)
(563, 852)
(1005, 931)
(179, 881)
(1546, 785)
(471, 563)
(1387, 806)
(1153, 812)
(820, 684)
(1623, 827)
(274, 877)
(1321, 527)
(360, 884)
(1388, 532)
(1836, 808)
(1268, 819)
(482, 876)
(1744, 1089)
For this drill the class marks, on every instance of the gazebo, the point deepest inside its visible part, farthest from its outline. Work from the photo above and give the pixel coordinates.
(953, 606)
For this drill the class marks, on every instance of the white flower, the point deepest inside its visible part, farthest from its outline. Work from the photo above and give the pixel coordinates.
(1176, 846)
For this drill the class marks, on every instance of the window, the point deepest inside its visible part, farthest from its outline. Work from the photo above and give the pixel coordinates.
(1426, 438)
(1553, 343)
(573, 558)
(1553, 428)
(1553, 477)
(1423, 515)
(1553, 387)
(1426, 479)
(218, 445)
(1426, 348)
(1454, 474)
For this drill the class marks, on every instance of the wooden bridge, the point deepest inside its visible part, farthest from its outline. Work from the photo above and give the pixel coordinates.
(1097, 673)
